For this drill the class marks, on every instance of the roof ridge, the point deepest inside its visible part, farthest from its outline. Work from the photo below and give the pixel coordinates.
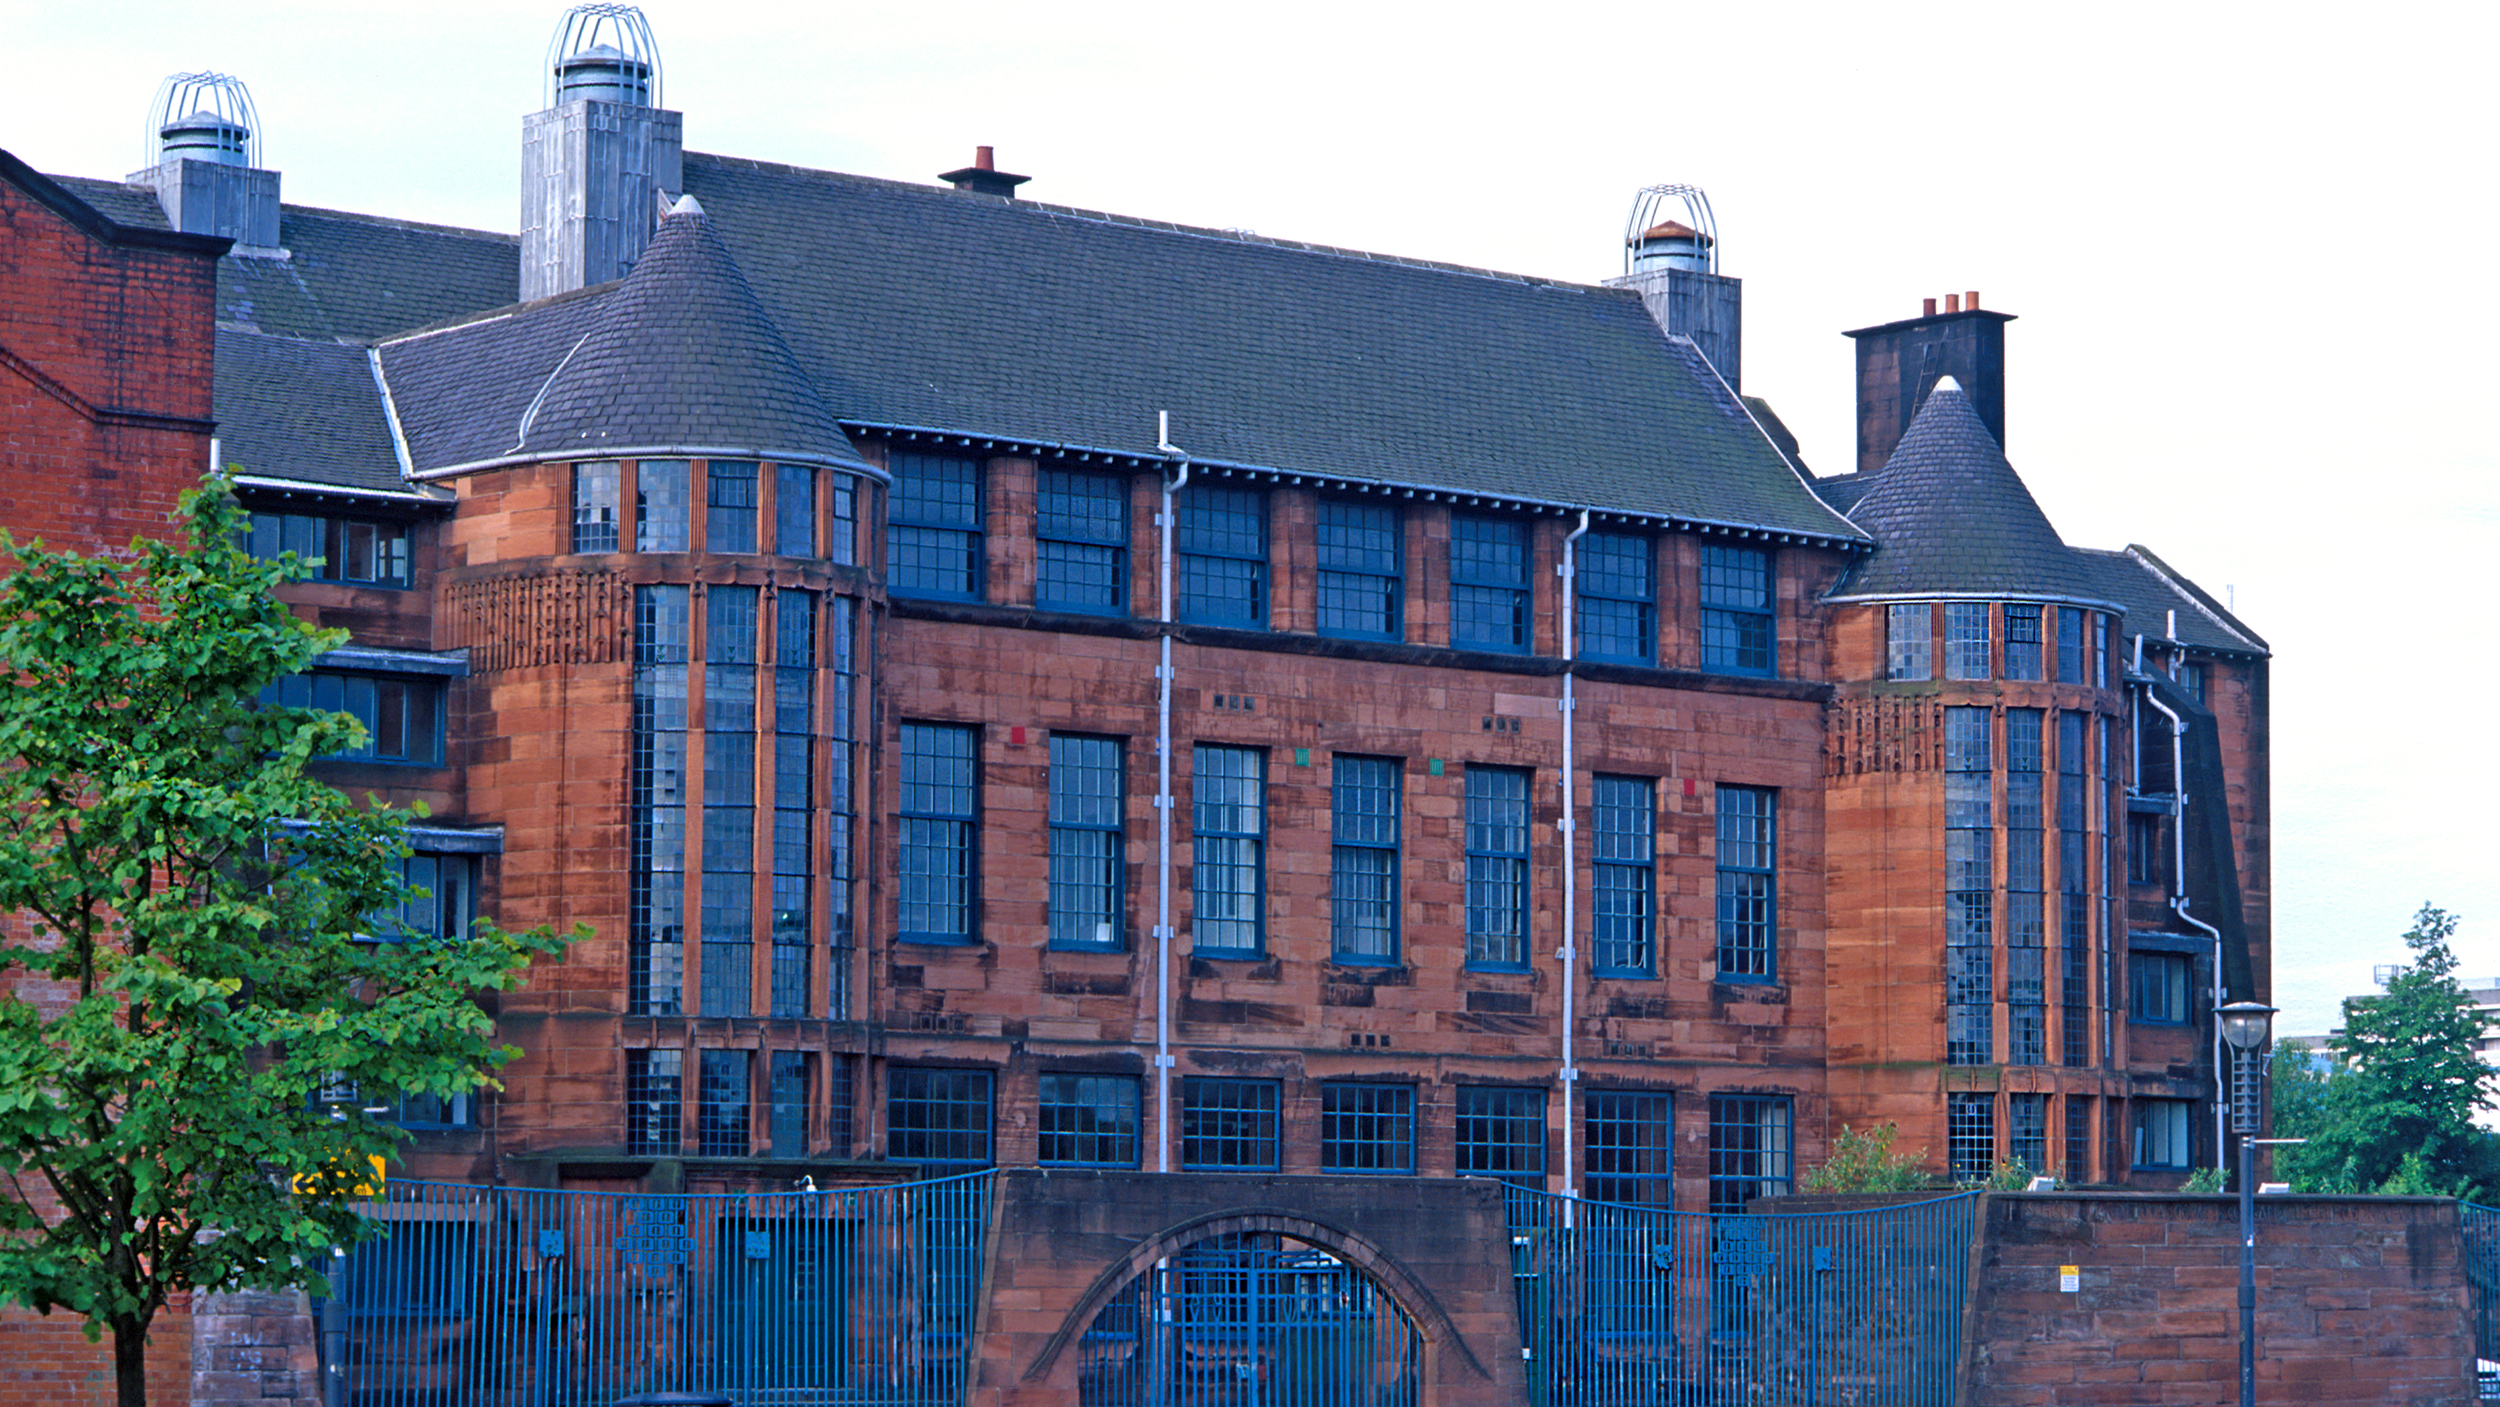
(2205, 604)
(1229, 236)
(394, 222)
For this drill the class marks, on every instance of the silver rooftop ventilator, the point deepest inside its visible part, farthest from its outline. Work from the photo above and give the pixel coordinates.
(202, 117)
(203, 161)
(1674, 265)
(602, 162)
(604, 53)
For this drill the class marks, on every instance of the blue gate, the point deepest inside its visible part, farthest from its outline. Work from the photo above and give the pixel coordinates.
(517, 1298)
(1250, 1321)
(1624, 1306)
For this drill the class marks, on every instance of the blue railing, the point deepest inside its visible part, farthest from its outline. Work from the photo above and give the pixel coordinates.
(520, 1298)
(1624, 1306)
(2481, 1228)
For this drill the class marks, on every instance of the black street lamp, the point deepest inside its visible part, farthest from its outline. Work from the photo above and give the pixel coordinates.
(2244, 1027)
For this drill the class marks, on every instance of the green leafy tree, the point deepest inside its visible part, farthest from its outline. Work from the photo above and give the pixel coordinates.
(2396, 1114)
(187, 942)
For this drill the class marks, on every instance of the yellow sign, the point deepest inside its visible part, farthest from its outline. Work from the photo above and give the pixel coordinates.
(2070, 1278)
(328, 1179)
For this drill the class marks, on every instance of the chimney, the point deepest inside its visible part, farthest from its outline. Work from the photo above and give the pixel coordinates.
(1674, 266)
(599, 165)
(1900, 362)
(206, 169)
(983, 177)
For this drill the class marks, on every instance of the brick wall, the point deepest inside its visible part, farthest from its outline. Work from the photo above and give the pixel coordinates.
(46, 1361)
(2359, 1300)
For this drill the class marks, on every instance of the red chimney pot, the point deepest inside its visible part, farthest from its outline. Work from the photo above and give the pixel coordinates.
(1927, 307)
(1970, 300)
(983, 158)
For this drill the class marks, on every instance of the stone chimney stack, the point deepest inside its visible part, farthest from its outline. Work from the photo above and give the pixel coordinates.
(1900, 362)
(600, 164)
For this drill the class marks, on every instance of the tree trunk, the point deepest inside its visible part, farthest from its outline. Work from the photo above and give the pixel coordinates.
(130, 1361)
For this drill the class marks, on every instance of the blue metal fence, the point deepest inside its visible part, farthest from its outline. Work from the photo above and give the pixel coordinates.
(1624, 1306)
(2481, 1228)
(513, 1297)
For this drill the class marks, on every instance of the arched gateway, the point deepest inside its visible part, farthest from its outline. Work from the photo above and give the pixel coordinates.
(1139, 1290)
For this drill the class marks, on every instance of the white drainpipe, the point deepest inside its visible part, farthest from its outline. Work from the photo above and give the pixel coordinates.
(1163, 805)
(2179, 903)
(1568, 956)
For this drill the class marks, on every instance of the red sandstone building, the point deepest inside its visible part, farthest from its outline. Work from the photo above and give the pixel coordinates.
(1013, 685)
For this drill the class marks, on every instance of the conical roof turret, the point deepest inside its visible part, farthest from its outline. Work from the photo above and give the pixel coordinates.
(683, 360)
(1950, 517)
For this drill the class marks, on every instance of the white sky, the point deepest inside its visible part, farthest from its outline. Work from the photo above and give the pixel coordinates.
(2247, 245)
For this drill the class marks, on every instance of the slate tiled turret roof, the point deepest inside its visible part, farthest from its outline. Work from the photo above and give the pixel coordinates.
(682, 355)
(1951, 518)
(678, 357)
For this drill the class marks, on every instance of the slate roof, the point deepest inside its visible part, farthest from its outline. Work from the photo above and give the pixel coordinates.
(461, 390)
(2146, 589)
(362, 277)
(683, 356)
(916, 307)
(1951, 518)
(118, 201)
(288, 408)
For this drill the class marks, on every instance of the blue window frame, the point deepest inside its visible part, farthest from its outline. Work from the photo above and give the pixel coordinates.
(1489, 602)
(655, 873)
(1748, 855)
(938, 1117)
(402, 715)
(2023, 644)
(361, 551)
(1087, 824)
(1497, 868)
(1221, 543)
(2074, 644)
(1229, 1124)
(1088, 1121)
(1080, 529)
(793, 1077)
(1736, 617)
(1630, 1139)
(733, 493)
(2159, 985)
(939, 834)
(654, 1094)
(1363, 868)
(1751, 1149)
(2027, 1131)
(732, 645)
(1228, 872)
(720, 1116)
(663, 505)
(1624, 827)
(1970, 1135)
(594, 506)
(1501, 1134)
(2074, 882)
(1361, 570)
(794, 511)
(1970, 887)
(934, 527)
(1967, 654)
(1618, 598)
(1910, 640)
(2162, 1133)
(1366, 1128)
(794, 792)
(2026, 912)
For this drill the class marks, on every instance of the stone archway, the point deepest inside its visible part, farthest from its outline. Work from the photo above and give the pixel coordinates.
(1065, 1246)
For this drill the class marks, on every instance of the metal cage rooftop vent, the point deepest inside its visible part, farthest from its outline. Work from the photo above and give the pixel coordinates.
(203, 117)
(1653, 241)
(604, 53)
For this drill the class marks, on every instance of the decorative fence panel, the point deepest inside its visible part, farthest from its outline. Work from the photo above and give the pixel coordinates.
(518, 1298)
(1623, 1306)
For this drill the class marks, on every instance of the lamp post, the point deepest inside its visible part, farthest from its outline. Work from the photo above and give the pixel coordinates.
(2244, 1027)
